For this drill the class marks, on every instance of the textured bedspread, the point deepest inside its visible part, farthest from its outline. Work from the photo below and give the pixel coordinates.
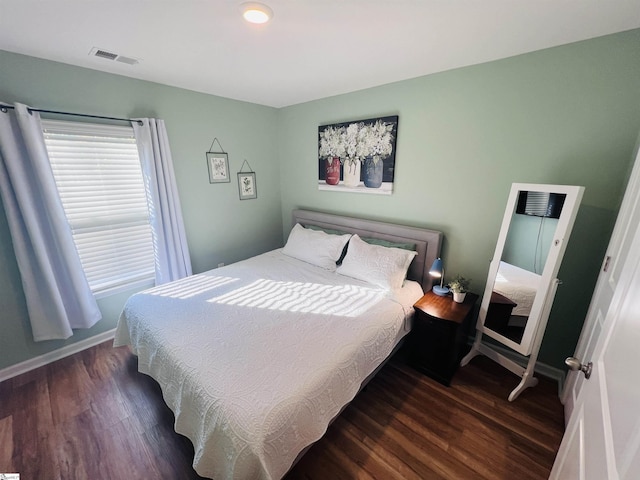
(518, 285)
(256, 358)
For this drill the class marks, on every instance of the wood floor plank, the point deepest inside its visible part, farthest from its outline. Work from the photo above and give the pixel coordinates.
(93, 416)
(372, 457)
(422, 455)
(160, 439)
(69, 388)
(130, 458)
(407, 463)
(32, 427)
(428, 420)
(6, 444)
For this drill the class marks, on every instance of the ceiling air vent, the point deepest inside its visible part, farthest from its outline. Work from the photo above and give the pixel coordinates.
(107, 55)
(101, 53)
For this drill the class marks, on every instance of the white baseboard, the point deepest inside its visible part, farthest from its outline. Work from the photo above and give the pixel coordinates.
(50, 357)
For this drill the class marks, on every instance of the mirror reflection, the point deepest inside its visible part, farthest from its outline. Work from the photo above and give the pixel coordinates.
(531, 232)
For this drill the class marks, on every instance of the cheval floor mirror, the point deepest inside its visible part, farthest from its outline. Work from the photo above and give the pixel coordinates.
(522, 280)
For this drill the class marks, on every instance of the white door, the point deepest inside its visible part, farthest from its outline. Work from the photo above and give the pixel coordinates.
(602, 440)
(628, 220)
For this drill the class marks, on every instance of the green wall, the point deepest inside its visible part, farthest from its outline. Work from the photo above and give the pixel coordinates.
(220, 227)
(529, 241)
(566, 115)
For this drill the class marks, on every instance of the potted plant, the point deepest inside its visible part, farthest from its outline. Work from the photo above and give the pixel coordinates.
(459, 286)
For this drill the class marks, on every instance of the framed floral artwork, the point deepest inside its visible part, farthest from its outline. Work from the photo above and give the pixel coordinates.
(218, 164)
(247, 185)
(358, 156)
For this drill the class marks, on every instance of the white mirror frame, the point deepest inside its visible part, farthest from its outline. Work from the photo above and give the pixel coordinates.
(541, 307)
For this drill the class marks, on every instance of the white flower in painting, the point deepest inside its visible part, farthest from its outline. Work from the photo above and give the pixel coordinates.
(357, 141)
(351, 142)
(332, 142)
(381, 139)
(365, 141)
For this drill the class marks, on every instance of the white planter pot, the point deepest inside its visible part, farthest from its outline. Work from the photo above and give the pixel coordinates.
(351, 173)
(459, 297)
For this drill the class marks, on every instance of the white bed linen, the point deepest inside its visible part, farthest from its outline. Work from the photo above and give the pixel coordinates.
(256, 358)
(518, 285)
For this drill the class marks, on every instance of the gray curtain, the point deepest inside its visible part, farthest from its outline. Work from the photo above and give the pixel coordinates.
(55, 286)
(170, 242)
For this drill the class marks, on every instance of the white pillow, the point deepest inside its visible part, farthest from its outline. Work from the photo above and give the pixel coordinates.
(315, 246)
(383, 266)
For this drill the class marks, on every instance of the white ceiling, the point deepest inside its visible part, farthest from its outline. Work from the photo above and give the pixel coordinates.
(311, 49)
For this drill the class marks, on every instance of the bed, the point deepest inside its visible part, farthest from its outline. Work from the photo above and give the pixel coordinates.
(256, 359)
(518, 285)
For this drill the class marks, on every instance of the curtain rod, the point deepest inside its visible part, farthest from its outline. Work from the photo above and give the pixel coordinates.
(3, 108)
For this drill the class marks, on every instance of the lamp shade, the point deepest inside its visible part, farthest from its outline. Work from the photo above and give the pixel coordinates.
(437, 271)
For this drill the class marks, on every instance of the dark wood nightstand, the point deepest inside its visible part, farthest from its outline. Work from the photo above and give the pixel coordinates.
(499, 312)
(440, 329)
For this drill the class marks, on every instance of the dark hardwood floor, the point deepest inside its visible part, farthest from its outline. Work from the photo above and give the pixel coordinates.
(93, 416)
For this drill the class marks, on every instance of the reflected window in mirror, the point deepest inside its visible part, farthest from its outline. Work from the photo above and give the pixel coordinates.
(532, 229)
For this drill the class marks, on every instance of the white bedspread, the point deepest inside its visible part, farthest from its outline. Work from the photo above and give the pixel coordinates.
(256, 358)
(518, 285)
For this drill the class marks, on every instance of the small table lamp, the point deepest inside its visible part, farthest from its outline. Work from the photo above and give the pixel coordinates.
(437, 271)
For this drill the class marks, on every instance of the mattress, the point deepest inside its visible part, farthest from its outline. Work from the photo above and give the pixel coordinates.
(255, 359)
(518, 285)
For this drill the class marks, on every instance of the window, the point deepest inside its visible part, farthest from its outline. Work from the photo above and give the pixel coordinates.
(98, 174)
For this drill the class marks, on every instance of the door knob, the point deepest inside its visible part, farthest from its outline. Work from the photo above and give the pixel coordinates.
(574, 364)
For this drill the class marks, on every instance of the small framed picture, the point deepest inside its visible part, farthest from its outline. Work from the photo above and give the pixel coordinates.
(247, 185)
(218, 167)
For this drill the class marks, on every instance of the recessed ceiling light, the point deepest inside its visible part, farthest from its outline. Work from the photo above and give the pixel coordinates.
(256, 12)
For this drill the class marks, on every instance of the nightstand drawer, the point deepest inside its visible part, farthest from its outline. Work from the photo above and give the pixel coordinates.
(433, 325)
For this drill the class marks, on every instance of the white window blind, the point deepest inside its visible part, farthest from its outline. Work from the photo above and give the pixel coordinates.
(537, 204)
(98, 174)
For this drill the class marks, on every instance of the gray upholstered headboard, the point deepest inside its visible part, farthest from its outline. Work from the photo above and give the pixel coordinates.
(428, 242)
